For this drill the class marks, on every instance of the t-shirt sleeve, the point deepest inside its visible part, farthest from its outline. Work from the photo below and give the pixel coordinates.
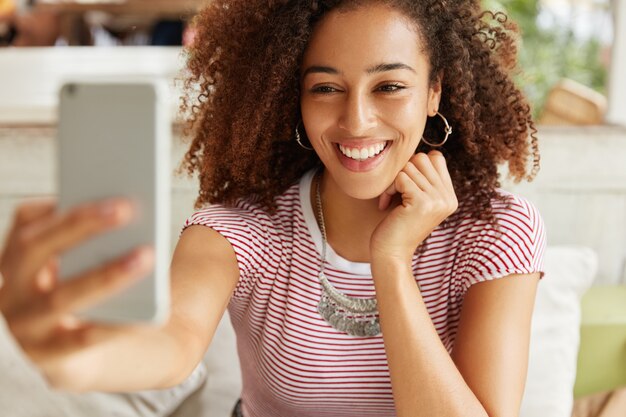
(516, 247)
(246, 234)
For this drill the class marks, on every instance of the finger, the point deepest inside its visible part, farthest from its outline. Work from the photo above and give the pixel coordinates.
(411, 171)
(32, 210)
(407, 188)
(425, 166)
(27, 212)
(417, 177)
(46, 278)
(70, 229)
(439, 163)
(34, 323)
(29, 331)
(97, 285)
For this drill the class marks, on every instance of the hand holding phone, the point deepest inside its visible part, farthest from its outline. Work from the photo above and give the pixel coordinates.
(39, 308)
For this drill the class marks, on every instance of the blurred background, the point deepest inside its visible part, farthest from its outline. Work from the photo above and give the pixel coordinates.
(573, 70)
(566, 47)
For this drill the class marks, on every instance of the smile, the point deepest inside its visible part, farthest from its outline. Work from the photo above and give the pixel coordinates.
(362, 156)
(364, 152)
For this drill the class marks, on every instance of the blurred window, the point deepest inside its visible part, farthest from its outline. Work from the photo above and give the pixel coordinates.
(565, 48)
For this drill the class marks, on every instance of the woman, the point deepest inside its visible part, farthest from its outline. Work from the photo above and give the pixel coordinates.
(349, 150)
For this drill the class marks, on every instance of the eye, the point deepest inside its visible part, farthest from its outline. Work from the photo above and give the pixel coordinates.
(391, 88)
(323, 89)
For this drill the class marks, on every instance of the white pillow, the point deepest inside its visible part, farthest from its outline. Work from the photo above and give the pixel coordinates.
(24, 392)
(555, 331)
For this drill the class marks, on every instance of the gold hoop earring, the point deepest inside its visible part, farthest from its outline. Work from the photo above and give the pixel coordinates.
(447, 130)
(299, 139)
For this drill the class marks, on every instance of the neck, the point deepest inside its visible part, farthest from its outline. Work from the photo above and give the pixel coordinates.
(349, 222)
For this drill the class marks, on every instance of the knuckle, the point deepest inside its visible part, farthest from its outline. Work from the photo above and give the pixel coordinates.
(420, 157)
(28, 211)
(410, 166)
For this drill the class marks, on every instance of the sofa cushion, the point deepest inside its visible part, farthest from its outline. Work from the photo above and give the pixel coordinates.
(569, 272)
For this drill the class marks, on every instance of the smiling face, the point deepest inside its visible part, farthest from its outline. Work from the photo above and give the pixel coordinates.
(365, 96)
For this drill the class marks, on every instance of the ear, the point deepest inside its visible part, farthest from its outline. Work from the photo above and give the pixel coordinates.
(434, 95)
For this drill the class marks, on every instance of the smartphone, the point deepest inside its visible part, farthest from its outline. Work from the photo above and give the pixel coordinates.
(114, 140)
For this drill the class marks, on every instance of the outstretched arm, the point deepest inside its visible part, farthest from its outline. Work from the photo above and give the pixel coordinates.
(88, 356)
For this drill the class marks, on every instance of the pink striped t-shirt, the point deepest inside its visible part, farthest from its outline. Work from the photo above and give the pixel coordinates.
(292, 362)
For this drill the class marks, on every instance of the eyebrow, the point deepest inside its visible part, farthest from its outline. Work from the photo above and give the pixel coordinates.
(388, 67)
(372, 70)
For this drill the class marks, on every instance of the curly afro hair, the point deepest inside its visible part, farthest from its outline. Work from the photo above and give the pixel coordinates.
(243, 88)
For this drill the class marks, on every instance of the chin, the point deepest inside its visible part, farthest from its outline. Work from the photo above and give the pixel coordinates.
(362, 186)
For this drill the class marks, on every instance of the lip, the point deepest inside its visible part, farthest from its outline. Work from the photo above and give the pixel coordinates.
(368, 164)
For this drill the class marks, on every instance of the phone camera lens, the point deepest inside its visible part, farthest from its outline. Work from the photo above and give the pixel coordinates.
(71, 89)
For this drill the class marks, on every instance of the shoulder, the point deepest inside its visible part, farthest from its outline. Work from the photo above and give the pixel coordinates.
(219, 233)
(514, 243)
(512, 209)
(520, 223)
(246, 220)
(243, 217)
(512, 214)
(246, 229)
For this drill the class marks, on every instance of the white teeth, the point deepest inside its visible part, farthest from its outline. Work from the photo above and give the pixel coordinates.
(362, 153)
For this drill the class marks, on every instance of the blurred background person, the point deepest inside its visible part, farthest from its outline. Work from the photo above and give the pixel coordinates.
(136, 23)
(20, 26)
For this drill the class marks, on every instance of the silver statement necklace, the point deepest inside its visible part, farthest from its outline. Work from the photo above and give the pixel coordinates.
(351, 315)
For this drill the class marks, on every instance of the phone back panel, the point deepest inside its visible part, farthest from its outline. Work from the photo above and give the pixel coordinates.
(114, 140)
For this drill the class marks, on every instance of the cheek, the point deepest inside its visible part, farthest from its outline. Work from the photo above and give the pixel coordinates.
(406, 115)
(317, 118)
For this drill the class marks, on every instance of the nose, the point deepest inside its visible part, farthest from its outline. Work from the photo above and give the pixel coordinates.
(358, 115)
